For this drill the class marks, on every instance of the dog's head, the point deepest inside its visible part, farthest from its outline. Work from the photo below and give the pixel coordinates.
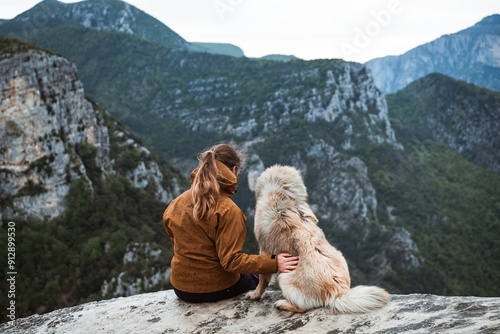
(284, 179)
(287, 182)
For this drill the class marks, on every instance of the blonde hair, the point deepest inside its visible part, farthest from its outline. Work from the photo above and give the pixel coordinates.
(205, 189)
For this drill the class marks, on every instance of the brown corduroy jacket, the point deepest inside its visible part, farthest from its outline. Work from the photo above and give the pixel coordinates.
(207, 253)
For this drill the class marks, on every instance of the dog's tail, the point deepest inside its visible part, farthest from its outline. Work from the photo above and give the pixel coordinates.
(361, 299)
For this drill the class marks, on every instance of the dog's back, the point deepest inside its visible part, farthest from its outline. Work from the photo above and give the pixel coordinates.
(284, 223)
(276, 209)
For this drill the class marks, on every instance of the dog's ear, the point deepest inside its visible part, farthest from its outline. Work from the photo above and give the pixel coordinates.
(306, 213)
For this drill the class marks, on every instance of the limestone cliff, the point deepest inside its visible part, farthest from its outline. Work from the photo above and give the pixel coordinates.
(470, 55)
(46, 126)
(162, 312)
(63, 161)
(44, 118)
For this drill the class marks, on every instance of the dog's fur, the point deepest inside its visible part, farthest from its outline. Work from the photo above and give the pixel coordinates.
(284, 223)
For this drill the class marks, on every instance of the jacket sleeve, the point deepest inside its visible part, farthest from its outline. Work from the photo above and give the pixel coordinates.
(166, 219)
(229, 240)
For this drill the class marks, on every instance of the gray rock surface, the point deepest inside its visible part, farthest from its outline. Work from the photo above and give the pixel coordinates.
(162, 312)
(45, 120)
(44, 117)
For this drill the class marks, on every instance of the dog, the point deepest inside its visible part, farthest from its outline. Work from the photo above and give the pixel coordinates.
(284, 223)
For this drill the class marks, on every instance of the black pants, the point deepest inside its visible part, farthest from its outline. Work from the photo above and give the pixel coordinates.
(246, 282)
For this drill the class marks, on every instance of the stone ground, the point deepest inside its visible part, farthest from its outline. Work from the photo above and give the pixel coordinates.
(162, 312)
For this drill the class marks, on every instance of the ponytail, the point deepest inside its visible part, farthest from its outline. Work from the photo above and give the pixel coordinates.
(205, 188)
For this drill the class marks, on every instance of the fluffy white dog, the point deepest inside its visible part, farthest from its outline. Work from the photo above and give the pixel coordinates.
(284, 223)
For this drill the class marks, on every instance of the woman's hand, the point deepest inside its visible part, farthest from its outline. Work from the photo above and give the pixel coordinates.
(287, 262)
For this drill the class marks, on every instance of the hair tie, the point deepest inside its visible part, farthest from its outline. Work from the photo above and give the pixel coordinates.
(199, 155)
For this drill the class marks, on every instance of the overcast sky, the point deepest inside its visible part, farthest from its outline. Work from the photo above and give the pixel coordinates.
(357, 30)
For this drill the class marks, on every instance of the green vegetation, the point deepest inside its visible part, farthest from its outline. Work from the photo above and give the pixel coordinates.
(127, 156)
(37, 18)
(87, 153)
(165, 81)
(130, 159)
(13, 130)
(12, 46)
(64, 262)
(451, 208)
(449, 205)
(30, 188)
(457, 114)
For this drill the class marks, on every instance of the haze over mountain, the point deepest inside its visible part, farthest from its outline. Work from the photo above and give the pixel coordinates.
(380, 186)
(472, 55)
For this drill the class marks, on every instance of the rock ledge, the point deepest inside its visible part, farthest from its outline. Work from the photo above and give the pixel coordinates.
(162, 312)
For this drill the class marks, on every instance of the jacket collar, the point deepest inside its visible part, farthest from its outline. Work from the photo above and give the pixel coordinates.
(226, 178)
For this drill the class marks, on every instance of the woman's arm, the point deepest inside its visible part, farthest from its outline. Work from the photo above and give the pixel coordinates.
(229, 240)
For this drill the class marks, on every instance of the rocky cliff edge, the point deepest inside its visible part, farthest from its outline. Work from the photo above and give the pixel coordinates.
(162, 312)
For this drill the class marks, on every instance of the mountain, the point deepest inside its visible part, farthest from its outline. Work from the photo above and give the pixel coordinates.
(408, 213)
(234, 96)
(436, 188)
(43, 151)
(278, 57)
(84, 194)
(470, 55)
(108, 15)
(462, 116)
(218, 48)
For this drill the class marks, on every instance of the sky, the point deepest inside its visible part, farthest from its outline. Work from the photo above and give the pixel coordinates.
(355, 30)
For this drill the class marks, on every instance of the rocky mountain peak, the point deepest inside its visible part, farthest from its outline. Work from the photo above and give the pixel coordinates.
(462, 116)
(109, 15)
(44, 117)
(489, 24)
(470, 55)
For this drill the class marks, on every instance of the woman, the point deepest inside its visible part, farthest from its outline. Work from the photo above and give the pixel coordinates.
(207, 230)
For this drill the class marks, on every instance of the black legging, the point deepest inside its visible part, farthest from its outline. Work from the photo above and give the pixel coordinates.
(246, 282)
